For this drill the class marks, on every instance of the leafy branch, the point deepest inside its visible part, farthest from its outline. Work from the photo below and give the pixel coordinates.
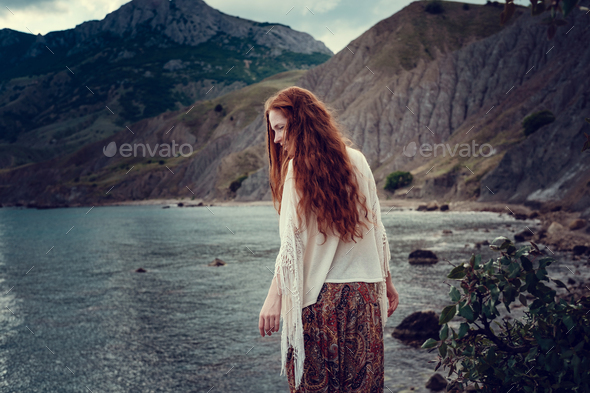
(548, 351)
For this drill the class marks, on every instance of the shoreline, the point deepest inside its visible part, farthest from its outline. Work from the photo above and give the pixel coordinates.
(404, 203)
(555, 228)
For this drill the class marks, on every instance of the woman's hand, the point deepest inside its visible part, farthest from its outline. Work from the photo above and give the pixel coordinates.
(270, 315)
(392, 296)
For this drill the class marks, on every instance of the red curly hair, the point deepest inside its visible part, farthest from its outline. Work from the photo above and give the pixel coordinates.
(324, 175)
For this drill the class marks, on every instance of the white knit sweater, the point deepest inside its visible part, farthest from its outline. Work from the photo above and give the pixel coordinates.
(304, 264)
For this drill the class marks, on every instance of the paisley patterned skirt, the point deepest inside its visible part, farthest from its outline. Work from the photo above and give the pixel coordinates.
(343, 341)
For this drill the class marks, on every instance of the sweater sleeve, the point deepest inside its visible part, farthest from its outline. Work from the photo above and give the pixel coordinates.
(289, 276)
(381, 234)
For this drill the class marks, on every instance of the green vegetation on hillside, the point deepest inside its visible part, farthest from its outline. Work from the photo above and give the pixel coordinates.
(536, 120)
(134, 79)
(398, 179)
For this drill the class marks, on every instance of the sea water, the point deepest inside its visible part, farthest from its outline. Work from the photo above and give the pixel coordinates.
(77, 317)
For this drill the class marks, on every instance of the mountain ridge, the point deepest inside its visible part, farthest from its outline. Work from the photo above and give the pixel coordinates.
(61, 90)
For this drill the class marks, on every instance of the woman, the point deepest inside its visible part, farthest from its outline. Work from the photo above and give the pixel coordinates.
(331, 283)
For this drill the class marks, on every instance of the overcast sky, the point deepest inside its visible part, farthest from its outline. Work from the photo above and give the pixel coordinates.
(334, 22)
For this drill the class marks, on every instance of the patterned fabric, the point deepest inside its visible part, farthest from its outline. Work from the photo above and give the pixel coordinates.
(343, 341)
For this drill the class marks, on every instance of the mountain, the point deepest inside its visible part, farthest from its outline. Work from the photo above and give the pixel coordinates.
(456, 77)
(417, 78)
(69, 88)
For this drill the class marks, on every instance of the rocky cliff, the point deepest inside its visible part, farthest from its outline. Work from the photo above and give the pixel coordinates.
(405, 83)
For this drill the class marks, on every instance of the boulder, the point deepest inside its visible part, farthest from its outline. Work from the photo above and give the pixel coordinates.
(581, 250)
(422, 257)
(555, 228)
(437, 383)
(447, 232)
(140, 270)
(534, 214)
(577, 224)
(180, 204)
(524, 235)
(421, 207)
(418, 327)
(482, 243)
(217, 262)
(432, 206)
(444, 207)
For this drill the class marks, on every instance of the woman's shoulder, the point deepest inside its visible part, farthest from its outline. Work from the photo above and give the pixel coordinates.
(358, 158)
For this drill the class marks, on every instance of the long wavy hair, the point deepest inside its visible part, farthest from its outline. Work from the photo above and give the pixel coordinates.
(324, 174)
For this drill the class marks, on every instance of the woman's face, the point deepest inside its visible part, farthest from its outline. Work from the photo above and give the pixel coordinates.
(277, 123)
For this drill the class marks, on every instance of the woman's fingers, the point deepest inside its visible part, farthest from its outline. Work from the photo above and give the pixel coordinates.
(268, 324)
(393, 303)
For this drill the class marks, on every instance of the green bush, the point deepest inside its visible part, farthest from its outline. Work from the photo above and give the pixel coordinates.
(398, 179)
(237, 183)
(537, 120)
(434, 7)
(548, 351)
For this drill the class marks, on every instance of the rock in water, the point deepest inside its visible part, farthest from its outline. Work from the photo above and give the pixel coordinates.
(437, 383)
(217, 262)
(422, 257)
(417, 328)
(577, 224)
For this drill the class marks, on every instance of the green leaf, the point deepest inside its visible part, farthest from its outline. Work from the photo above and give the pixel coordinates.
(526, 263)
(546, 344)
(542, 274)
(443, 350)
(444, 332)
(476, 262)
(509, 293)
(454, 293)
(500, 243)
(457, 273)
(531, 355)
(561, 284)
(576, 363)
(447, 314)
(467, 313)
(538, 9)
(546, 261)
(568, 5)
(514, 270)
(568, 321)
(463, 330)
(522, 251)
(429, 343)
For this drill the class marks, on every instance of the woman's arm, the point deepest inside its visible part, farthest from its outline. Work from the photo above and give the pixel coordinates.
(273, 291)
(270, 315)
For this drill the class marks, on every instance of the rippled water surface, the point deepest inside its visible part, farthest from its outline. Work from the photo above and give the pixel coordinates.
(76, 317)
